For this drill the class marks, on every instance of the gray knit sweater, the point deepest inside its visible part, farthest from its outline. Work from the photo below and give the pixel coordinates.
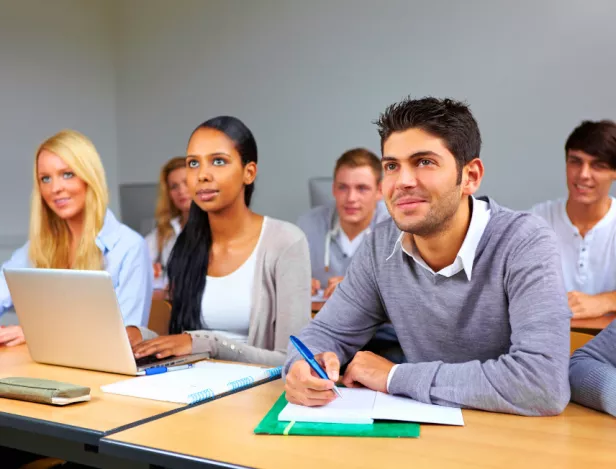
(497, 342)
(593, 372)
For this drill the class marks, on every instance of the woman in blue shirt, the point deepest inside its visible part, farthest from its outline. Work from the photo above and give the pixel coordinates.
(72, 228)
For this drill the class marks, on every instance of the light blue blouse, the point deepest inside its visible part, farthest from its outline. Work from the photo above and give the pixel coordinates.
(127, 260)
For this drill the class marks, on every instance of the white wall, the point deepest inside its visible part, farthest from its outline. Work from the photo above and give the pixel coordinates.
(57, 71)
(309, 77)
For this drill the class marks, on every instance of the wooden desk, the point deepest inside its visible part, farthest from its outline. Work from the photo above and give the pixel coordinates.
(85, 422)
(593, 325)
(316, 307)
(221, 434)
(72, 432)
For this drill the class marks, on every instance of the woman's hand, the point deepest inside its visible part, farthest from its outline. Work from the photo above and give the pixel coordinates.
(165, 346)
(11, 336)
(134, 335)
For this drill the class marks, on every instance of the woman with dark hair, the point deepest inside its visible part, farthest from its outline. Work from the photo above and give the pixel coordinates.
(239, 281)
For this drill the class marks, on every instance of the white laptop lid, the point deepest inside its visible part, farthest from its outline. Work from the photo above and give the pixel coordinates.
(71, 318)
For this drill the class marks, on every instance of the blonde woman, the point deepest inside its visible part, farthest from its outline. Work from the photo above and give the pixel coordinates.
(72, 228)
(172, 208)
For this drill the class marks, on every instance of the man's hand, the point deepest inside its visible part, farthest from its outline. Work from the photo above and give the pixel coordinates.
(134, 335)
(369, 370)
(315, 286)
(304, 387)
(11, 336)
(165, 346)
(585, 306)
(332, 283)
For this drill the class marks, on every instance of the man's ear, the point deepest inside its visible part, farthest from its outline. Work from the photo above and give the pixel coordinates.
(472, 174)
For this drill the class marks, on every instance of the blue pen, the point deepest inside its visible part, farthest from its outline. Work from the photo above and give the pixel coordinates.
(309, 357)
(156, 370)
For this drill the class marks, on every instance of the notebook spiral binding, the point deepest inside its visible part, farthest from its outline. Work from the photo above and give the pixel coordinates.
(201, 396)
(273, 372)
(233, 385)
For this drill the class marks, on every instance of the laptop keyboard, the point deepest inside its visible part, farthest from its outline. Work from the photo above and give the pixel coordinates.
(150, 360)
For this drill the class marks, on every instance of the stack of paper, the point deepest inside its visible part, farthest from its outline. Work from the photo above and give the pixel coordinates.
(363, 406)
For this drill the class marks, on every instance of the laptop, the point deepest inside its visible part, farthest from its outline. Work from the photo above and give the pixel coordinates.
(72, 318)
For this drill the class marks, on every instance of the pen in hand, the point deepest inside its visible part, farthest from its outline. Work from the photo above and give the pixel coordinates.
(309, 357)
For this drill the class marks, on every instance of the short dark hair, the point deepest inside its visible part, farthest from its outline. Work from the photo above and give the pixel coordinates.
(598, 139)
(358, 157)
(447, 119)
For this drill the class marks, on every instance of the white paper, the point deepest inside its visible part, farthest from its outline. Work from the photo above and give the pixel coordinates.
(178, 386)
(354, 407)
(318, 298)
(388, 407)
(363, 406)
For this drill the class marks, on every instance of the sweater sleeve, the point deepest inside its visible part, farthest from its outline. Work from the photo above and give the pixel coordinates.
(292, 278)
(350, 317)
(532, 378)
(592, 372)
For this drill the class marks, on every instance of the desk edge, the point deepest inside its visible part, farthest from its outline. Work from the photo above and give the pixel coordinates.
(55, 429)
(159, 457)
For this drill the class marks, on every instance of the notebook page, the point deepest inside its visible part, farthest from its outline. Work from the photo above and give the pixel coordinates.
(205, 379)
(388, 407)
(354, 407)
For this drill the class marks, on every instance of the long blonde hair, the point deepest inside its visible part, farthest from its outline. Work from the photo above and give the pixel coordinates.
(50, 238)
(165, 208)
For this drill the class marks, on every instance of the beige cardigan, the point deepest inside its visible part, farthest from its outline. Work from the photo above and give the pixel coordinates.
(280, 301)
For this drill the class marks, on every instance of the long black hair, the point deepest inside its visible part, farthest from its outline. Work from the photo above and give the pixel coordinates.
(188, 263)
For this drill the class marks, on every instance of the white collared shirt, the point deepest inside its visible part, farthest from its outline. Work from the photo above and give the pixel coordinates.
(163, 256)
(125, 257)
(466, 255)
(589, 262)
(347, 246)
(465, 258)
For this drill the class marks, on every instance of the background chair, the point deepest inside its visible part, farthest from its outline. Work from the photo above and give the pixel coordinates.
(320, 190)
(160, 315)
(137, 204)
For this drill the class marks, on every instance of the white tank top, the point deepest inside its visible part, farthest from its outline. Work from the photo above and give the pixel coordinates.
(227, 301)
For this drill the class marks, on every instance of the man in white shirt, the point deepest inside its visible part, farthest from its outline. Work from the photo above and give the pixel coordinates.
(585, 223)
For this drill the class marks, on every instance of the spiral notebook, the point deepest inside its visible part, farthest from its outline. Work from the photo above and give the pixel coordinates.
(204, 381)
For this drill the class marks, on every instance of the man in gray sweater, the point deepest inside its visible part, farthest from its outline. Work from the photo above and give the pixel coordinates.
(593, 372)
(474, 291)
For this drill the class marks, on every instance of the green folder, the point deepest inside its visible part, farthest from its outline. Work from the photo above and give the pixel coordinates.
(270, 425)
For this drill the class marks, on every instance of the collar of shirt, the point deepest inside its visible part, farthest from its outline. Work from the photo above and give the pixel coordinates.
(349, 247)
(606, 220)
(480, 217)
(109, 235)
(176, 225)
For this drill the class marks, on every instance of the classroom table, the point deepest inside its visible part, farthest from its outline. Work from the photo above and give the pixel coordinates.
(70, 432)
(220, 434)
(592, 326)
(316, 306)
